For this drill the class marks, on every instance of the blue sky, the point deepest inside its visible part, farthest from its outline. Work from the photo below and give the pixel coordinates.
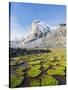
(22, 15)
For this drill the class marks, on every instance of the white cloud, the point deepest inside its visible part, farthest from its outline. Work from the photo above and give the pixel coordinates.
(16, 31)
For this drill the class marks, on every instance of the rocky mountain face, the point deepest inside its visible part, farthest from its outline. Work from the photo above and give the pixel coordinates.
(41, 35)
(38, 30)
(56, 38)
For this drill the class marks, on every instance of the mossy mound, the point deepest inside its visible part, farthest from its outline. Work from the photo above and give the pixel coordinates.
(36, 67)
(59, 67)
(20, 71)
(35, 82)
(34, 71)
(45, 66)
(49, 80)
(15, 81)
(34, 62)
(56, 72)
(62, 63)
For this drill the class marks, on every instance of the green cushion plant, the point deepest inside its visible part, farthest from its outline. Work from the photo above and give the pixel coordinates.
(34, 72)
(19, 71)
(35, 82)
(34, 62)
(15, 81)
(46, 66)
(56, 72)
(59, 67)
(49, 80)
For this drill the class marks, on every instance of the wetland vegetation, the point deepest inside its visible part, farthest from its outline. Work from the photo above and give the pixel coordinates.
(38, 69)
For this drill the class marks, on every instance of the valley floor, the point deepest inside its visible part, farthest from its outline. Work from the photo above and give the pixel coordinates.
(40, 69)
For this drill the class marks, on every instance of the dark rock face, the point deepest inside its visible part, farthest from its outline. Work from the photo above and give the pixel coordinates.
(18, 52)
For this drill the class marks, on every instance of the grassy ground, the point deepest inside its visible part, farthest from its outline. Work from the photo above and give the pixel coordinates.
(41, 66)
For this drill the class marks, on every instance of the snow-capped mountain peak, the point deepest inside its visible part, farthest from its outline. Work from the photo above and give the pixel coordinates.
(38, 29)
(40, 34)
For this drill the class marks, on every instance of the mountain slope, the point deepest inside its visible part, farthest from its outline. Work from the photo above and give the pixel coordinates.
(41, 35)
(37, 30)
(57, 38)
